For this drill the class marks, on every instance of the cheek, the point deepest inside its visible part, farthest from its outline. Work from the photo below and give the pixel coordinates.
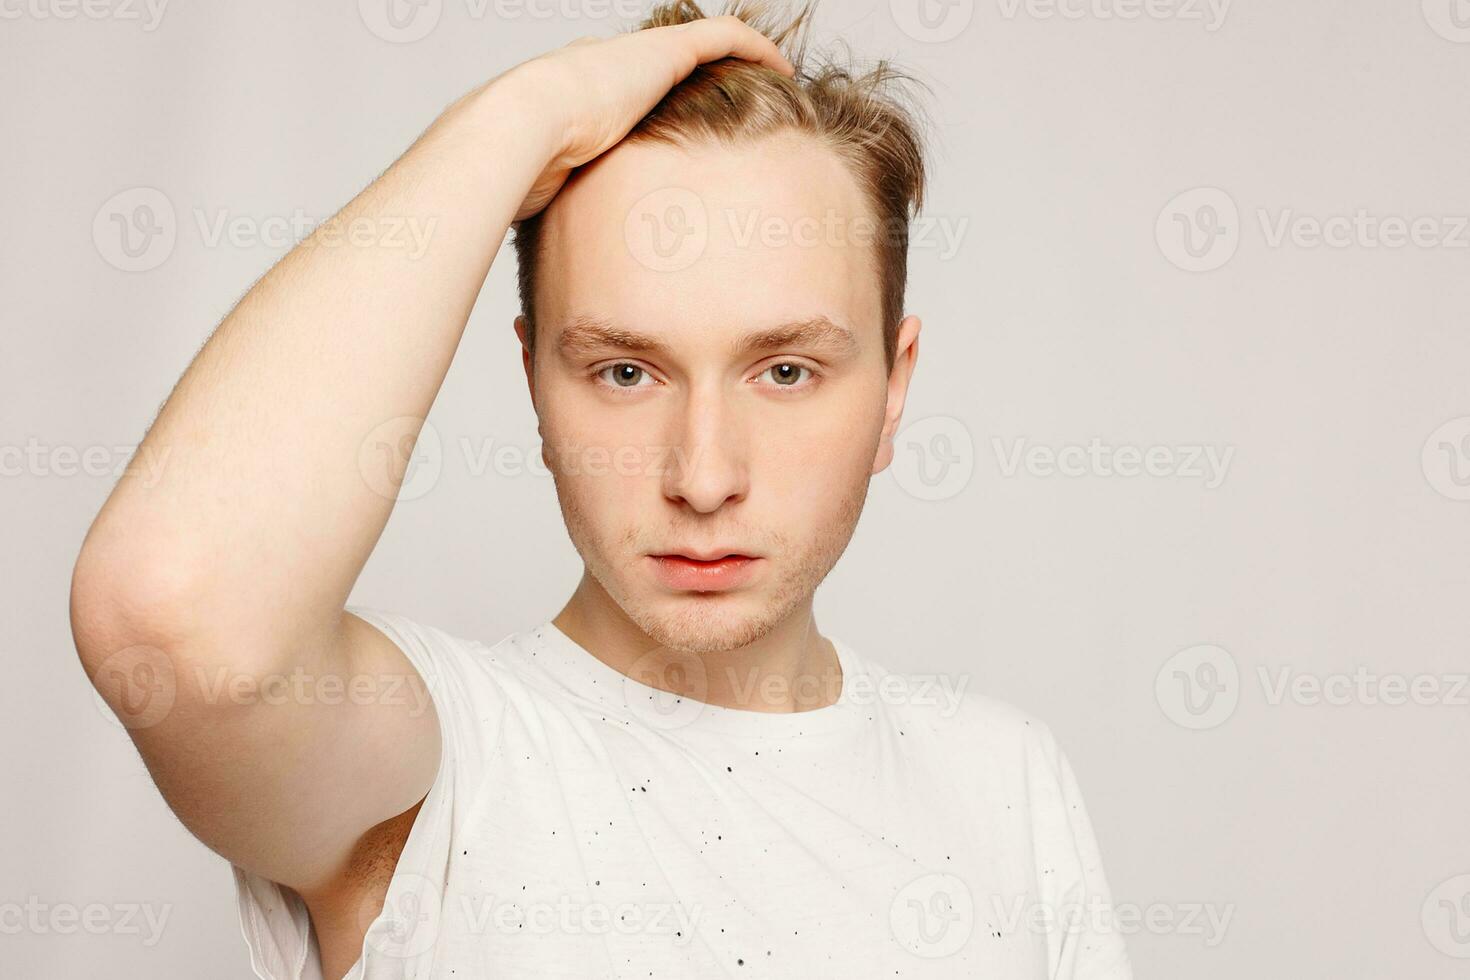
(604, 486)
(608, 489)
(843, 427)
(814, 467)
(608, 469)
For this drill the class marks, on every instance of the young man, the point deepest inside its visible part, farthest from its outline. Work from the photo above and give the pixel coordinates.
(678, 775)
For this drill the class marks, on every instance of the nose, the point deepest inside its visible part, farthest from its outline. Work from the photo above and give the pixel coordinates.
(708, 464)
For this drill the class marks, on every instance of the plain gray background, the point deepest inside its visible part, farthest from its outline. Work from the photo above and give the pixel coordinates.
(1150, 619)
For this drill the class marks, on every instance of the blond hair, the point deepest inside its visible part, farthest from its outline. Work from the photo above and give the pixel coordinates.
(857, 113)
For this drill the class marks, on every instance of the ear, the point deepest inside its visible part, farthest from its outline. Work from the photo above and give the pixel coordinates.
(905, 355)
(521, 325)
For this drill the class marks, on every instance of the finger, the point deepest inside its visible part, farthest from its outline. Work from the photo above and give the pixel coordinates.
(728, 36)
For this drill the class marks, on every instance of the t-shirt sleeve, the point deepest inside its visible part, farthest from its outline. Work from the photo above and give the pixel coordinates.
(1085, 942)
(274, 920)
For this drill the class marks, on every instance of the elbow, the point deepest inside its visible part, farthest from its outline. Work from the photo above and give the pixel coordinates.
(122, 602)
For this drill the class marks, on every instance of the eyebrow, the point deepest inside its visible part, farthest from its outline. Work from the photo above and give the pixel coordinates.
(585, 334)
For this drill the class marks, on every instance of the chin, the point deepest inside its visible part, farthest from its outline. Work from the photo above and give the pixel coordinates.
(712, 623)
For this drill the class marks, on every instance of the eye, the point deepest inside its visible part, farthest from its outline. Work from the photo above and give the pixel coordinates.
(625, 375)
(788, 374)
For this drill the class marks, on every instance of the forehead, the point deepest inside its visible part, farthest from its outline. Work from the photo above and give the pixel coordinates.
(710, 241)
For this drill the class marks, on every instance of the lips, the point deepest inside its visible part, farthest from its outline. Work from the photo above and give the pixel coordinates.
(704, 556)
(716, 570)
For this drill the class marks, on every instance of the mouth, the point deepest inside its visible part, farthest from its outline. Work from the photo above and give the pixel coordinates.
(712, 571)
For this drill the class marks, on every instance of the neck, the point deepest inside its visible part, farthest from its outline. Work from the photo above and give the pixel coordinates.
(791, 667)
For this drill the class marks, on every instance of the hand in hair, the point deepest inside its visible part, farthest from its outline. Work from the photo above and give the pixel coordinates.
(593, 91)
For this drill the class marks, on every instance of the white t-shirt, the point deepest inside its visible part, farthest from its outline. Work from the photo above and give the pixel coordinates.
(583, 825)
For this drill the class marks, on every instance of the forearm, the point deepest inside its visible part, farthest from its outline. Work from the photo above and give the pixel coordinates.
(252, 503)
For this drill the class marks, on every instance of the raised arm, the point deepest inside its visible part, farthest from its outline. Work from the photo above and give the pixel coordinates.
(232, 563)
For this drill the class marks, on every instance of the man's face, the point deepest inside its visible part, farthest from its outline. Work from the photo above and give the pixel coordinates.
(710, 379)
